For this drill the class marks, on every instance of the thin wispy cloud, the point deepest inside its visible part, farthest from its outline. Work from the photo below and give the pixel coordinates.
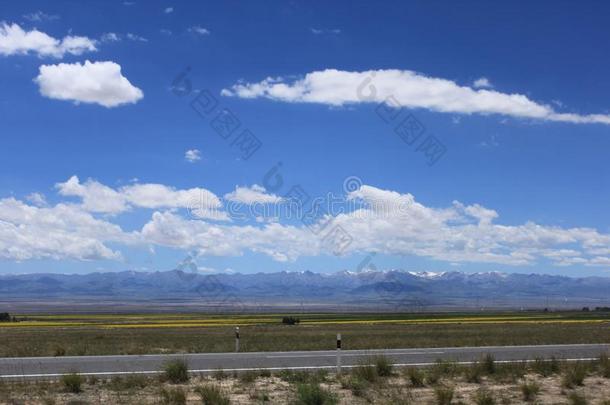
(321, 31)
(134, 37)
(115, 37)
(40, 16)
(110, 37)
(404, 88)
(199, 30)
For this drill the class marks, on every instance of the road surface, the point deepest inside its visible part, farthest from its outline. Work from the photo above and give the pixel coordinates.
(46, 367)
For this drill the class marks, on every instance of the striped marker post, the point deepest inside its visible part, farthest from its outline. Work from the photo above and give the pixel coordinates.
(338, 353)
(236, 339)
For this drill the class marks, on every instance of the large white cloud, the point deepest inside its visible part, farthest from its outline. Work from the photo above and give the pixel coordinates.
(60, 232)
(16, 41)
(99, 198)
(394, 224)
(92, 82)
(406, 89)
(382, 221)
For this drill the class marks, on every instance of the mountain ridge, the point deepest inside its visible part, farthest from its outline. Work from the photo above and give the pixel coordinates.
(389, 289)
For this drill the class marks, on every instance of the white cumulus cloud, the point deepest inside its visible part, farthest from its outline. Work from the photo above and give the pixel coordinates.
(252, 195)
(60, 232)
(403, 88)
(16, 41)
(97, 197)
(91, 82)
(192, 155)
(482, 83)
(384, 221)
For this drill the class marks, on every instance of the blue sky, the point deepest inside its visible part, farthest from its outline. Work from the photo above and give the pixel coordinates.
(97, 174)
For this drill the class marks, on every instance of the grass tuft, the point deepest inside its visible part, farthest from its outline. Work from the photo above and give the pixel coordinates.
(484, 397)
(444, 394)
(546, 368)
(604, 365)
(383, 366)
(313, 394)
(488, 364)
(416, 377)
(172, 396)
(574, 375)
(576, 398)
(212, 395)
(176, 371)
(529, 390)
(72, 382)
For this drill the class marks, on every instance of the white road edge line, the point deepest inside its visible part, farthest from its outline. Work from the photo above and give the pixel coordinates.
(210, 370)
(387, 351)
(349, 355)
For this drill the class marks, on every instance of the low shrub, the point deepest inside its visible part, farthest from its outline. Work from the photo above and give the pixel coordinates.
(444, 394)
(366, 372)
(604, 365)
(383, 366)
(264, 373)
(129, 382)
(261, 397)
(219, 374)
(173, 396)
(510, 372)
(72, 382)
(415, 376)
(488, 364)
(248, 377)
(176, 371)
(313, 394)
(545, 367)
(574, 375)
(212, 395)
(296, 377)
(484, 397)
(575, 398)
(474, 373)
(529, 390)
(357, 386)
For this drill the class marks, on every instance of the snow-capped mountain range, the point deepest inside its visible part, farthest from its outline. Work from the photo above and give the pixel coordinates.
(391, 290)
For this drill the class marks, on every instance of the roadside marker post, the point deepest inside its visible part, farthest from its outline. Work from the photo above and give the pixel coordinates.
(236, 339)
(338, 353)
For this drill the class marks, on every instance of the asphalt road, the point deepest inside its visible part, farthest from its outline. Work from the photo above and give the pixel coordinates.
(44, 367)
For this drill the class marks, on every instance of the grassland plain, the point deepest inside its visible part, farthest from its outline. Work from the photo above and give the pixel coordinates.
(98, 334)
